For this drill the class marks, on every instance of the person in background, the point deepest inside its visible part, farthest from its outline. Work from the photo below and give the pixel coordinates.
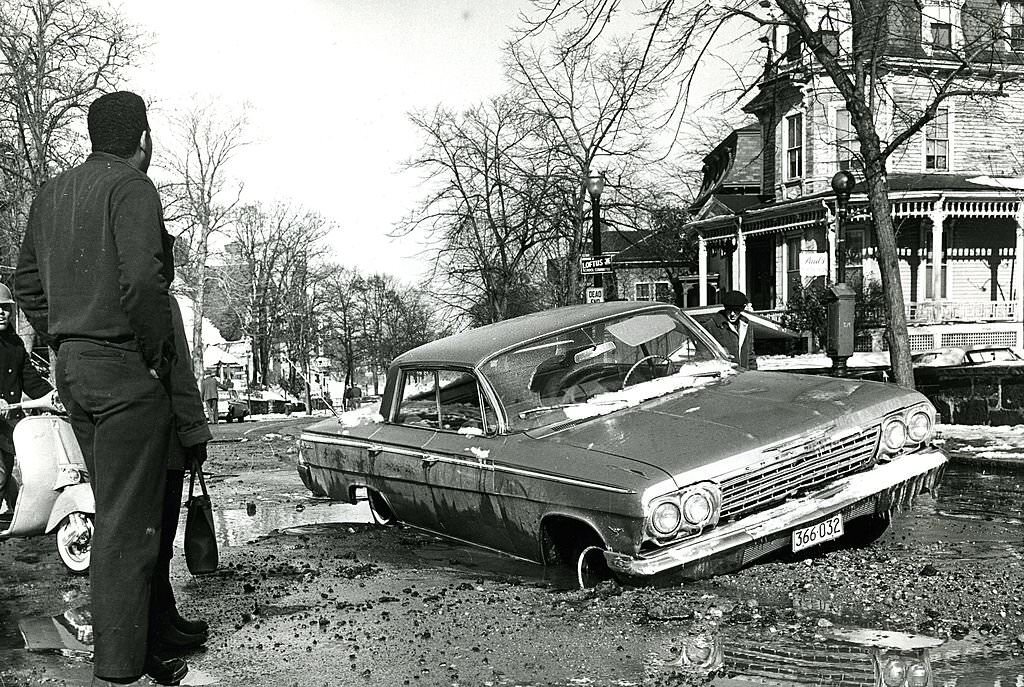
(17, 377)
(730, 327)
(211, 386)
(92, 278)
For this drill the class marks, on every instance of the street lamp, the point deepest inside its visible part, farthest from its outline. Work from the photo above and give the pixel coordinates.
(842, 185)
(595, 185)
(841, 300)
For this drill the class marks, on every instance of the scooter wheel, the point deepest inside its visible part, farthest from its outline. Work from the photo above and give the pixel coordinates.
(74, 542)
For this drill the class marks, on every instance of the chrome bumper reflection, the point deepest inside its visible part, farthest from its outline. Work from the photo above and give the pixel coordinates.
(890, 486)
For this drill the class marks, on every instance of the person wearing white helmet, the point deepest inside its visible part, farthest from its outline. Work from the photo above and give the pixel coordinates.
(17, 376)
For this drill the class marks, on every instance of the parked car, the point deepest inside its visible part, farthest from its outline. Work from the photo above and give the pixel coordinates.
(232, 406)
(618, 438)
(975, 355)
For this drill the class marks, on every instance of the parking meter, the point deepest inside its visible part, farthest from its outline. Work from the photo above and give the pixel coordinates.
(841, 302)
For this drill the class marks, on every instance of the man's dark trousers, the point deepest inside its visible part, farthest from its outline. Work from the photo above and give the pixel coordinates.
(122, 419)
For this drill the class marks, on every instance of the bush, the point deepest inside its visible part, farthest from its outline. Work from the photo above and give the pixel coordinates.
(807, 310)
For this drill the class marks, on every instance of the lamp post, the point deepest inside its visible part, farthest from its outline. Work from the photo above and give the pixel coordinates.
(595, 185)
(841, 301)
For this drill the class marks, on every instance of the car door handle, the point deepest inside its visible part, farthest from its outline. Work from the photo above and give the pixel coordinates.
(427, 458)
(375, 449)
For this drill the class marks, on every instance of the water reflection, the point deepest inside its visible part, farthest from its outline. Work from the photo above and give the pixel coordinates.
(237, 526)
(849, 657)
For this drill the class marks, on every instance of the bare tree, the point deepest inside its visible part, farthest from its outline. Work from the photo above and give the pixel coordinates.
(854, 44)
(57, 56)
(272, 269)
(489, 209)
(598, 111)
(203, 198)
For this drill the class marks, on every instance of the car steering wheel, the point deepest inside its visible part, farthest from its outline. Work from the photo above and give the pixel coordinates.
(625, 380)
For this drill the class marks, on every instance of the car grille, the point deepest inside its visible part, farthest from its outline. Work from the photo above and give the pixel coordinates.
(795, 468)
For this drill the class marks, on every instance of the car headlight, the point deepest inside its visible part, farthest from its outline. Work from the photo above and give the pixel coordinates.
(894, 434)
(920, 424)
(894, 672)
(917, 675)
(666, 518)
(697, 508)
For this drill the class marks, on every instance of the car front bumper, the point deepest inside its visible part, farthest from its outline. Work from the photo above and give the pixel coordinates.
(886, 487)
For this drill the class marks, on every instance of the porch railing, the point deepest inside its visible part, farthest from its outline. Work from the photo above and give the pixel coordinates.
(931, 312)
(962, 311)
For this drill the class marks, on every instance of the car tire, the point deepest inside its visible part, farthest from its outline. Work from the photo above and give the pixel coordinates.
(379, 508)
(592, 568)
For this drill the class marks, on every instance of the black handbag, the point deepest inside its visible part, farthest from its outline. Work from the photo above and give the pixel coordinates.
(201, 554)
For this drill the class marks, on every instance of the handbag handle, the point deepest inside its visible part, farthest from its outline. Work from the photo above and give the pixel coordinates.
(192, 481)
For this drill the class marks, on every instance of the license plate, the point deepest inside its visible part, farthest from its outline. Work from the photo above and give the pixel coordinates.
(820, 532)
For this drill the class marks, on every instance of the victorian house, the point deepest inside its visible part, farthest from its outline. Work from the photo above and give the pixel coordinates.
(765, 219)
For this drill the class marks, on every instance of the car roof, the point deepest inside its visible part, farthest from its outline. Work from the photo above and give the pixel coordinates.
(473, 347)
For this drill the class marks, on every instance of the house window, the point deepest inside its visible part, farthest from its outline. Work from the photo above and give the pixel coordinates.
(653, 291)
(795, 146)
(794, 45)
(936, 155)
(942, 35)
(846, 141)
(1014, 12)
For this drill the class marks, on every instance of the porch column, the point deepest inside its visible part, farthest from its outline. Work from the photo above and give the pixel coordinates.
(1018, 264)
(739, 263)
(783, 270)
(702, 271)
(938, 218)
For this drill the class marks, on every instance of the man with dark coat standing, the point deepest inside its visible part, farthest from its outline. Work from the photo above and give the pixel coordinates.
(17, 377)
(730, 327)
(92, 280)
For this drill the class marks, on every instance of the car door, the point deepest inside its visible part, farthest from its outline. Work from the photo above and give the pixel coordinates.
(396, 456)
(459, 467)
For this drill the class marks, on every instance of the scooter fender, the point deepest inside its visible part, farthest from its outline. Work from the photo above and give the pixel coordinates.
(78, 498)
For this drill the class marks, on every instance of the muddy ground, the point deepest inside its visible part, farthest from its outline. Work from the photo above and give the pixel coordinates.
(350, 603)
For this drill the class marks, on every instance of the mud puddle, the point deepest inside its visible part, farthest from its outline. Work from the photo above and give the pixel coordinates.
(238, 526)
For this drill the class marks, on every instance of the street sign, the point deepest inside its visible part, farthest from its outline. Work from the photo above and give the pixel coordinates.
(595, 294)
(597, 264)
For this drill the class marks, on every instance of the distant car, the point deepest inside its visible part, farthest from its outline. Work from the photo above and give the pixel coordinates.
(618, 439)
(975, 355)
(232, 406)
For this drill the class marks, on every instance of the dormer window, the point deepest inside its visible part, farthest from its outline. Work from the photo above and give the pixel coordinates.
(1013, 14)
(942, 35)
(794, 46)
(940, 26)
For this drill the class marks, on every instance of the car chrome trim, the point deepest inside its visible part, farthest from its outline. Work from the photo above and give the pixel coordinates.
(749, 531)
(485, 465)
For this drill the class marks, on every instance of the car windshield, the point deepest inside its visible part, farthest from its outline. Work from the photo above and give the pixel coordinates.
(602, 366)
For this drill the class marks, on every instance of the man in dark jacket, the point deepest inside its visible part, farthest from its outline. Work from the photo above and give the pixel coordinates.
(92, 280)
(17, 377)
(731, 328)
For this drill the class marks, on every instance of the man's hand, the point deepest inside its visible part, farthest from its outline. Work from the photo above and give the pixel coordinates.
(195, 455)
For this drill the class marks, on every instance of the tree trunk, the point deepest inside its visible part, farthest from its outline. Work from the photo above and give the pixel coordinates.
(199, 304)
(888, 264)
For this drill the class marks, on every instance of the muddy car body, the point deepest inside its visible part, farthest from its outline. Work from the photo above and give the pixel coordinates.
(619, 436)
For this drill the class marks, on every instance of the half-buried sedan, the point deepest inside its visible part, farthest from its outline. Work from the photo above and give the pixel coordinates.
(619, 438)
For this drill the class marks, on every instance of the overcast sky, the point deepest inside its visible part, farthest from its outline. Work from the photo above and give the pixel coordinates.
(328, 84)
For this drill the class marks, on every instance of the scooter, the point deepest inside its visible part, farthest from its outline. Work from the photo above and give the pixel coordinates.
(50, 484)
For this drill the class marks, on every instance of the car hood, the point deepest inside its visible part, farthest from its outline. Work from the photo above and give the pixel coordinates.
(742, 413)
